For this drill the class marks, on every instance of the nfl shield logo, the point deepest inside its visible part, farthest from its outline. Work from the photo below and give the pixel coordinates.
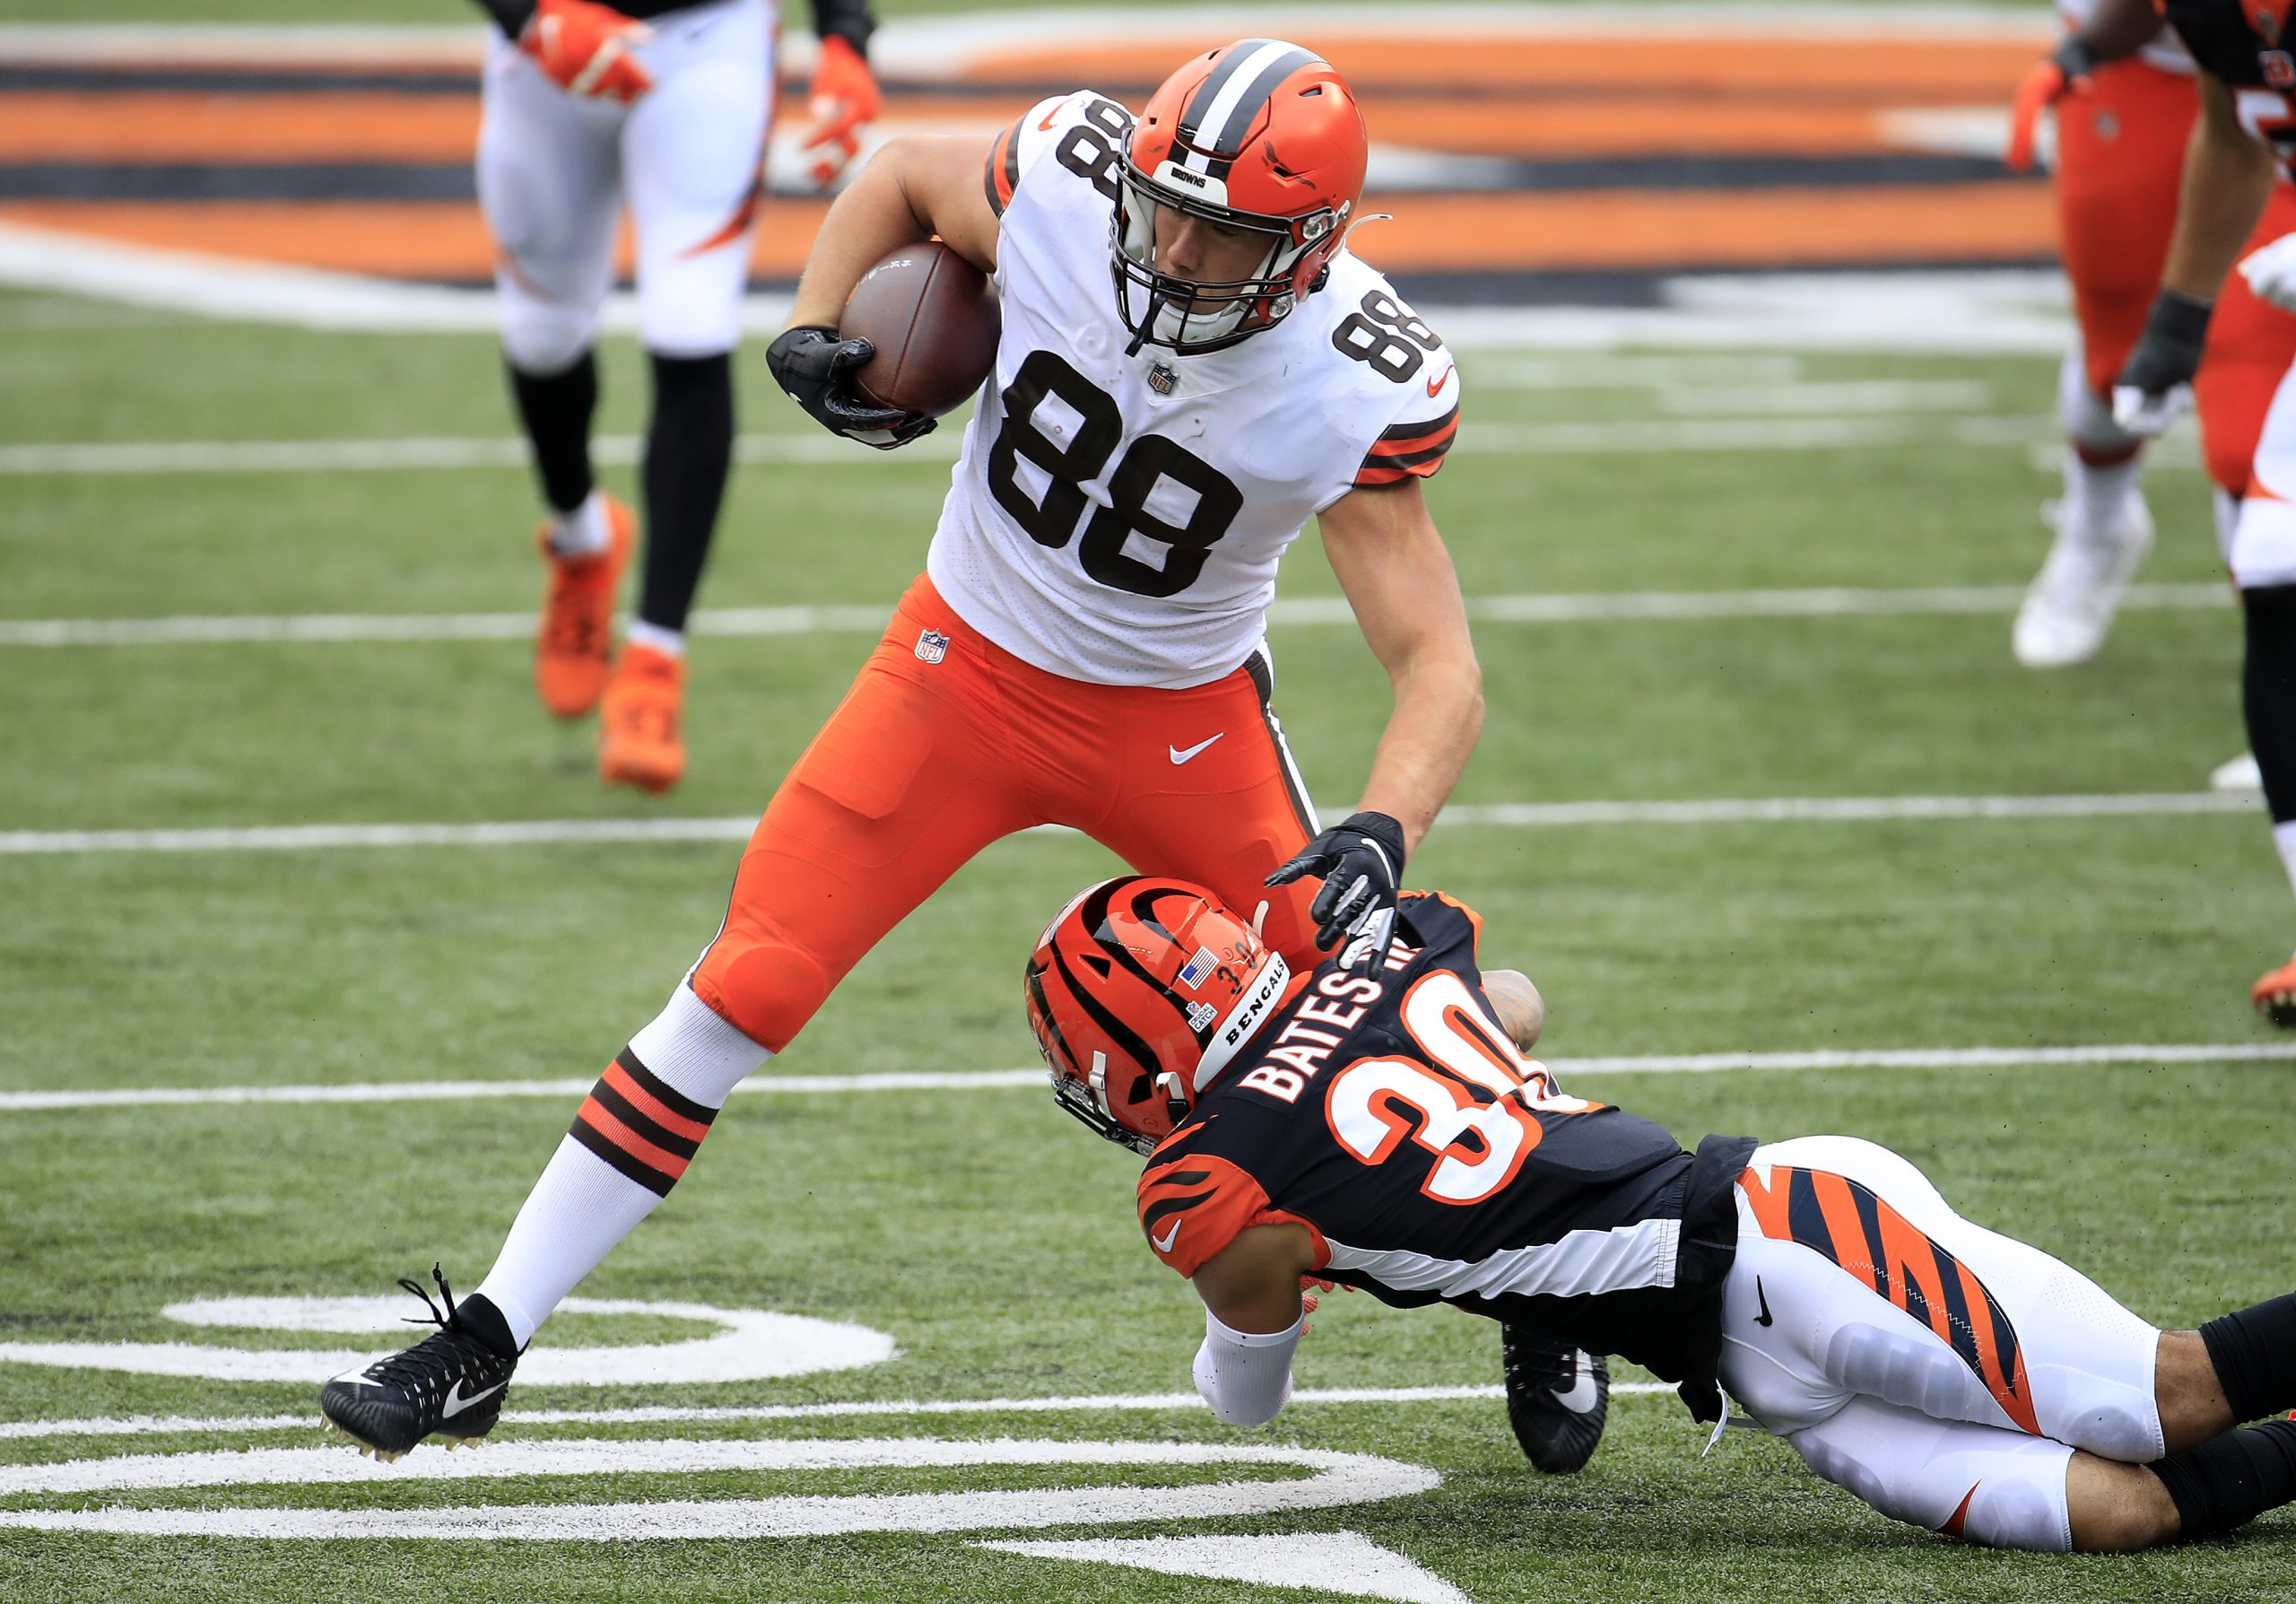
(2279, 69)
(1162, 377)
(932, 646)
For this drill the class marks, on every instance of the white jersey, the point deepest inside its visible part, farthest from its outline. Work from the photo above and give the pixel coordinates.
(1118, 519)
(2165, 50)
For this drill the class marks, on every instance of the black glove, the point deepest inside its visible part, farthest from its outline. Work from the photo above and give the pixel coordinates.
(814, 365)
(2155, 384)
(1361, 864)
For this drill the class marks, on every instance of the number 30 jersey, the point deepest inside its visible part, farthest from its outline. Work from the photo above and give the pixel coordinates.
(1118, 519)
(1429, 1160)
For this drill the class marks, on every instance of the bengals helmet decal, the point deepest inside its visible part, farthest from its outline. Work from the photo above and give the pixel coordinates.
(2269, 18)
(1259, 135)
(1140, 992)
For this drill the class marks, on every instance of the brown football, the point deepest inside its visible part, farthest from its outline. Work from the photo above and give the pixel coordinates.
(934, 318)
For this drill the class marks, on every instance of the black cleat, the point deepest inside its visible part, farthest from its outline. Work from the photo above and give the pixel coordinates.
(452, 1383)
(1557, 1399)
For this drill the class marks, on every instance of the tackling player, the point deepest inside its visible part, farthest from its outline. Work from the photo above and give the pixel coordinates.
(663, 104)
(1383, 1131)
(1192, 366)
(2237, 205)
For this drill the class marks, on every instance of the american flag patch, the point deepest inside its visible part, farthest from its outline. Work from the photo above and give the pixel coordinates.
(1193, 973)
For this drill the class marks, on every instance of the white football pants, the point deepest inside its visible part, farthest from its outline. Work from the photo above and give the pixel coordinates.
(554, 170)
(1941, 1372)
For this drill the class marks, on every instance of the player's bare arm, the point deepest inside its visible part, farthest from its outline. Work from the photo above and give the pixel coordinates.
(917, 187)
(2228, 178)
(1253, 1283)
(1397, 576)
(2116, 29)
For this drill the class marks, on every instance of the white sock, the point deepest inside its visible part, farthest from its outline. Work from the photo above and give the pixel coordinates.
(2283, 836)
(631, 1142)
(582, 531)
(670, 644)
(2093, 494)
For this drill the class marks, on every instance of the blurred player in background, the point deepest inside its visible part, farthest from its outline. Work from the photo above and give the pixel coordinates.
(1191, 367)
(662, 105)
(2121, 130)
(1385, 1132)
(2229, 338)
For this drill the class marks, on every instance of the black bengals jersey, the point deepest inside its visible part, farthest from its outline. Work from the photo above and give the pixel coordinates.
(1431, 1161)
(2260, 72)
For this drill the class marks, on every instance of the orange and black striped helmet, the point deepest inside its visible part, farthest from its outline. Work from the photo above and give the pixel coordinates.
(1140, 992)
(1259, 135)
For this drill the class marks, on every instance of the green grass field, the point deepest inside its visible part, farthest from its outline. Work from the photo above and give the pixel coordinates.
(977, 1227)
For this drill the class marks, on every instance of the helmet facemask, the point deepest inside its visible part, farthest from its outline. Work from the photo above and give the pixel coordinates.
(1192, 316)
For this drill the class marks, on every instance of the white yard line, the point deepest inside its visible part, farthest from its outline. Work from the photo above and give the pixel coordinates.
(975, 1080)
(1518, 815)
(161, 1426)
(1816, 602)
(1824, 397)
(1892, 424)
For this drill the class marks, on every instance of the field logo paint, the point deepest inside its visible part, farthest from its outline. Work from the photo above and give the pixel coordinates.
(749, 1345)
(1330, 1562)
(1334, 1479)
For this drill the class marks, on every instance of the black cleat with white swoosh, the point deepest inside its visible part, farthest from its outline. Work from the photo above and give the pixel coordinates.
(1558, 1397)
(451, 1383)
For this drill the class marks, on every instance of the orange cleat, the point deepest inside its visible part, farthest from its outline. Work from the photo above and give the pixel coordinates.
(640, 738)
(572, 650)
(2274, 995)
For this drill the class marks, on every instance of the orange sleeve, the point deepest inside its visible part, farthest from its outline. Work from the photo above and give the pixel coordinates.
(1192, 1205)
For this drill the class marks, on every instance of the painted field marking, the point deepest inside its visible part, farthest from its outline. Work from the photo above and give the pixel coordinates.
(996, 1080)
(747, 1345)
(1336, 1479)
(165, 1426)
(1826, 398)
(1512, 816)
(1829, 601)
(1623, 437)
(1328, 1561)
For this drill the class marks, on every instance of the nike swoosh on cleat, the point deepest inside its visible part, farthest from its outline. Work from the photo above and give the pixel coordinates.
(355, 1380)
(1582, 1394)
(456, 1403)
(1181, 755)
(1164, 1243)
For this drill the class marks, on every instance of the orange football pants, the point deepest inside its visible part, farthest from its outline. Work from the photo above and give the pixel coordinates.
(946, 742)
(2251, 346)
(2120, 158)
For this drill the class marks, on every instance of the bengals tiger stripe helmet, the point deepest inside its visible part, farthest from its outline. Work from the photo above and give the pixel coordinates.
(1140, 992)
(1261, 135)
(2269, 18)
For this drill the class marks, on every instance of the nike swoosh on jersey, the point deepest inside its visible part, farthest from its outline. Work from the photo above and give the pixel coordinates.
(456, 1403)
(1180, 755)
(1048, 117)
(1440, 379)
(1582, 1394)
(1164, 1243)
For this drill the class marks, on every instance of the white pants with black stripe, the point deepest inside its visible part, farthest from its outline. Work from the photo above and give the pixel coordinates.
(554, 172)
(1943, 1373)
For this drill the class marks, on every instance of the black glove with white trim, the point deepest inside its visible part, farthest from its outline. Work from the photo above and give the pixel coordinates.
(1359, 861)
(814, 365)
(2155, 384)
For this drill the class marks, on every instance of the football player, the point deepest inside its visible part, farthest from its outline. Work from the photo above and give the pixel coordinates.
(2122, 122)
(1384, 1131)
(2236, 205)
(1192, 366)
(662, 105)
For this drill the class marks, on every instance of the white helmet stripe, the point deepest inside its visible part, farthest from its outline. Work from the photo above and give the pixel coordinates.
(1222, 111)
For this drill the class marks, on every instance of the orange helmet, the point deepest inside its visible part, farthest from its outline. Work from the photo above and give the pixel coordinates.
(1261, 135)
(1140, 993)
(2267, 17)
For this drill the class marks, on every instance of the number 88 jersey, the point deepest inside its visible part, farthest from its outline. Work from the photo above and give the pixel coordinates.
(1117, 518)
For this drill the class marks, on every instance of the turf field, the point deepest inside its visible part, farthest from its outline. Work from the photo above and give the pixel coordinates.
(289, 856)
(989, 1240)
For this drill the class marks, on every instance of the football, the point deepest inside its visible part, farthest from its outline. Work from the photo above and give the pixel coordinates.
(934, 321)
